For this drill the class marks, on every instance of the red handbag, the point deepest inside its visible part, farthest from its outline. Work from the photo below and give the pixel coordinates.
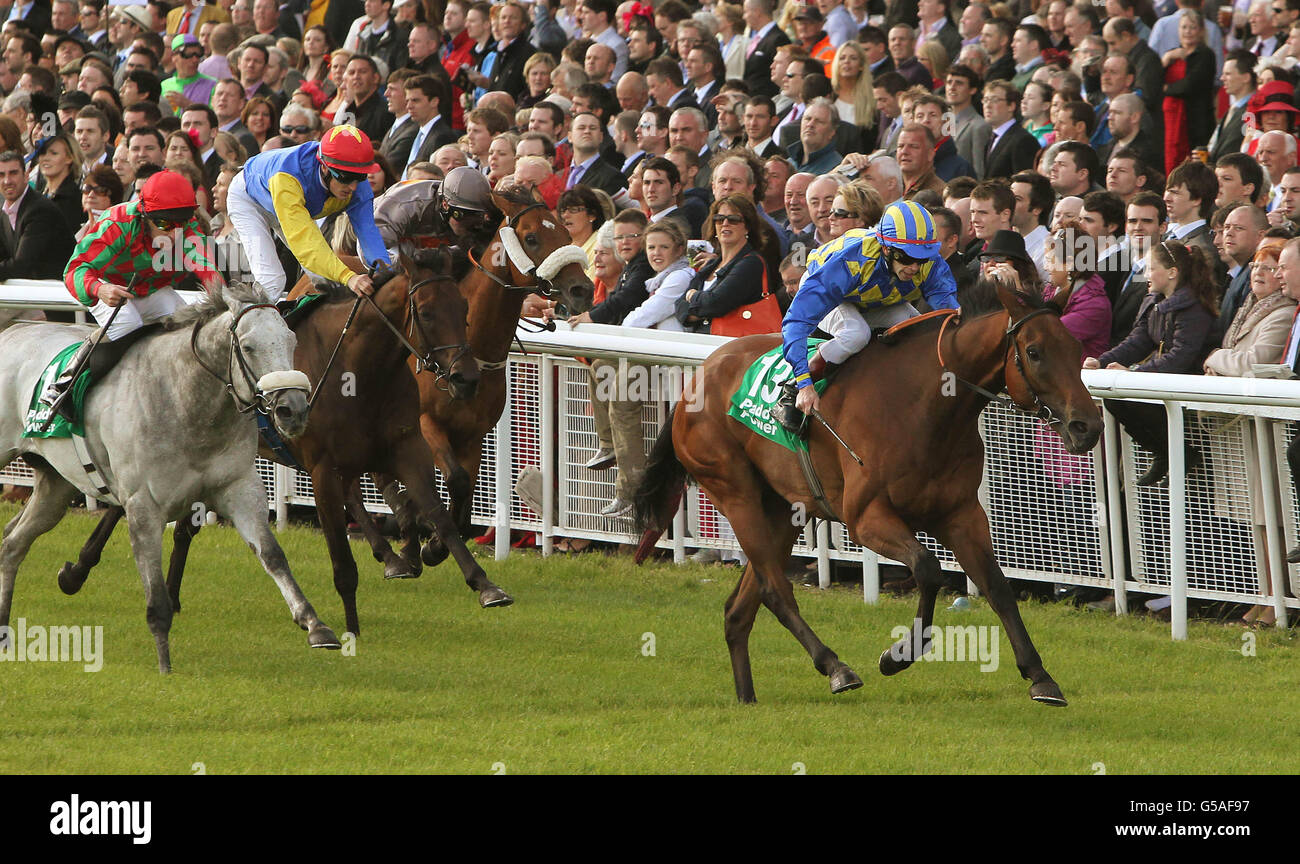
(761, 316)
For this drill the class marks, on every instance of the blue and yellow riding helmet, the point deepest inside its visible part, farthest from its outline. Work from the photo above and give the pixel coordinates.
(908, 228)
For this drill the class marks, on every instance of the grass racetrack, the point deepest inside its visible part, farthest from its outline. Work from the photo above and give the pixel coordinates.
(559, 682)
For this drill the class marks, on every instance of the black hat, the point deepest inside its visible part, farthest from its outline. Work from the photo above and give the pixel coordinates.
(1006, 244)
(809, 13)
(74, 100)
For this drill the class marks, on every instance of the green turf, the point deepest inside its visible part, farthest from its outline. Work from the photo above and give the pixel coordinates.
(559, 683)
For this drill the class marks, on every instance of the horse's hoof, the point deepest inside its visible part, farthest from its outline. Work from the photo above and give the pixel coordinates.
(69, 582)
(890, 664)
(323, 637)
(845, 680)
(1048, 693)
(493, 597)
(400, 570)
(433, 554)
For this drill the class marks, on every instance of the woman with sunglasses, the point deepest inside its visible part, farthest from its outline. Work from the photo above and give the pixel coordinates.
(102, 189)
(872, 275)
(854, 205)
(112, 271)
(281, 194)
(737, 276)
(1172, 333)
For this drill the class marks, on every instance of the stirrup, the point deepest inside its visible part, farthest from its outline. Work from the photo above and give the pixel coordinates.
(788, 415)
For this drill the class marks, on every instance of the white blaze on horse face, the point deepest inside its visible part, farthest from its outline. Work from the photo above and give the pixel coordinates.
(548, 224)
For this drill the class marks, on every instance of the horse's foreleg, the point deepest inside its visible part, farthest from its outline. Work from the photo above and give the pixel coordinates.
(51, 495)
(394, 566)
(182, 536)
(73, 576)
(738, 620)
(408, 521)
(145, 522)
(967, 535)
(459, 467)
(419, 481)
(882, 530)
(245, 506)
(332, 515)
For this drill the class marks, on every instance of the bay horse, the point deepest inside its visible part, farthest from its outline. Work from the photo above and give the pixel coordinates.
(365, 418)
(906, 409)
(169, 425)
(531, 252)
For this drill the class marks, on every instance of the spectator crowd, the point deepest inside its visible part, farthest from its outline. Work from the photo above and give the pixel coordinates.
(1142, 155)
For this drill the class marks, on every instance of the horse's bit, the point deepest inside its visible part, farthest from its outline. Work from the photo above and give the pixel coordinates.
(264, 388)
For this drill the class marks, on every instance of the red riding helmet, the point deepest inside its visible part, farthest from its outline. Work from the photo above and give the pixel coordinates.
(168, 195)
(346, 148)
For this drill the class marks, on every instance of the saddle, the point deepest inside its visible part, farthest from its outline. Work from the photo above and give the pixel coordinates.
(893, 334)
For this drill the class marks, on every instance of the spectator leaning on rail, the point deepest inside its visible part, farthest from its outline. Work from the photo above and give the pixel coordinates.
(282, 193)
(737, 277)
(1173, 329)
(114, 265)
(880, 273)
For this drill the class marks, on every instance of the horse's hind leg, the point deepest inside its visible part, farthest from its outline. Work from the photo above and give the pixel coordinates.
(245, 505)
(881, 529)
(967, 535)
(73, 576)
(408, 521)
(331, 512)
(738, 620)
(51, 495)
(182, 536)
(394, 566)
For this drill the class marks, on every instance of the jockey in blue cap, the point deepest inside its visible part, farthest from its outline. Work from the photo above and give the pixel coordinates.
(865, 278)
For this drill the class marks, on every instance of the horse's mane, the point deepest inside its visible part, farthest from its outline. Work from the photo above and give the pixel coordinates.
(982, 299)
(213, 304)
(517, 194)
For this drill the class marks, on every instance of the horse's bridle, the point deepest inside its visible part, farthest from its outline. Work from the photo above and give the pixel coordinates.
(1039, 408)
(265, 388)
(424, 360)
(543, 273)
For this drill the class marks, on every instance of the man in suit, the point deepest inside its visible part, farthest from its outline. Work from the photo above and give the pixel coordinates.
(1011, 148)
(667, 87)
(995, 39)
(513, 51)
(1241, 180)
(764, 37)
(190, 15)
(1102, 217)
(688, 128)
(971, 132)
(705, 67)
(35, 240)
(228, 100)
(586, 132)
(1122, 38)
(1129, 130)
(365, 108)
(1243, 231)
(396, 145)
(876, 44)
(1189, 196)
(425, 96)
(200, 123)
(1239, 82)
(902, 47)
(934, 22)
(760, 123)
(1145, 225)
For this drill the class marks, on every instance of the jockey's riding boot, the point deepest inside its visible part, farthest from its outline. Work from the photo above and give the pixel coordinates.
(819, 368)
(787, 414)
(64, 381)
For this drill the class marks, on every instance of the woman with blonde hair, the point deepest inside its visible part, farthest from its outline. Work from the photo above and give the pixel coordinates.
(537, 74)
(731, 37)
(934, 57)
(856, 205)
(338, 65)
(852, 83)
(58, 160)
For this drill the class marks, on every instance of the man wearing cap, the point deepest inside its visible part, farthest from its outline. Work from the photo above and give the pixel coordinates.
(873, 275)
(189, 16)
(116, 264)
(188, 85)
(281, 193)
(124, 25)
(808, 23)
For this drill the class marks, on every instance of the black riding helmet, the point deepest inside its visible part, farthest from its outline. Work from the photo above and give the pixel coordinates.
(465, 196)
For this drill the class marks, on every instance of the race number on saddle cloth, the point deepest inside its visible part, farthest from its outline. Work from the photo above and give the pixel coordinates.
(282, 193)
(753, 403)
(870, 275)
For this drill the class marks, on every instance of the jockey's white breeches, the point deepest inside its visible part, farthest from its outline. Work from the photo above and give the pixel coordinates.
(850, 327)
(137, 312)
(257, 231)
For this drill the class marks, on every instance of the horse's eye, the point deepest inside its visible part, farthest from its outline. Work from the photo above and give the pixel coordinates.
(1033, 354)
(531, 239)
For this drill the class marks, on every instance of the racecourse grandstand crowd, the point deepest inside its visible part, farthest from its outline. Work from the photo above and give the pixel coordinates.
(1143, 155)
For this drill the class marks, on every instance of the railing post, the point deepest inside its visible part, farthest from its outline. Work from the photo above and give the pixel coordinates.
(549, 433)
(870, 577)
(1276, 551)
(1119, 551)
(823, 554)
(502, 461)
(1177, 522)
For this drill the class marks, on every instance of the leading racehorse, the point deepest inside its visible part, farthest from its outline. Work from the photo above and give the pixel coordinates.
(168, 426)
(910, 411)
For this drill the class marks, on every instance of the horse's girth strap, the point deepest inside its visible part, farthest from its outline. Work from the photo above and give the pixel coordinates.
(815, 483)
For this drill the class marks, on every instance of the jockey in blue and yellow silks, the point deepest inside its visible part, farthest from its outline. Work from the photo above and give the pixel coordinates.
(865, 277)
(281, 193)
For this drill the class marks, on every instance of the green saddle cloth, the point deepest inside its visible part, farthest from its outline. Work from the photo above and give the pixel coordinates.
(759, 391)
(38, 413)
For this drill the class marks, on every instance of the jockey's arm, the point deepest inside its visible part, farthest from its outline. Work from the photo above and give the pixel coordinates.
(939, 287)
(304, 239)
(371, 247)
(820, 292)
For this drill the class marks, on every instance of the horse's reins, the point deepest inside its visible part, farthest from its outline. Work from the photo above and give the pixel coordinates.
(1040, 409)
(426, 360)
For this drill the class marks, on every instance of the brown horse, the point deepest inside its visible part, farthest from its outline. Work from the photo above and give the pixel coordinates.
(903, 408)
(531, 252)
(365, 419)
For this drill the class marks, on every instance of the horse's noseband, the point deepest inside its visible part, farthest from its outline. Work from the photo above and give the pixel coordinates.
(543, 273)
(264, 388)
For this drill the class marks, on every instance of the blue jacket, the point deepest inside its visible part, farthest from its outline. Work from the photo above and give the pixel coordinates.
(852, 269)
(287, 184)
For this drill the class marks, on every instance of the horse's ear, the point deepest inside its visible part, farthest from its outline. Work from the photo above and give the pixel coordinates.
(502, 203)
(1013, 300)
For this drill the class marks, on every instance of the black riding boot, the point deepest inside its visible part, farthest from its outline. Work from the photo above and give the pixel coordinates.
(794, 420)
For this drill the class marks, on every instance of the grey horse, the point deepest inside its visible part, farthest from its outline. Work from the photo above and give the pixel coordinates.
(169, 425)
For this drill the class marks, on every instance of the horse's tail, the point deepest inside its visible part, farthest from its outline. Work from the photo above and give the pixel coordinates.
(657, 495)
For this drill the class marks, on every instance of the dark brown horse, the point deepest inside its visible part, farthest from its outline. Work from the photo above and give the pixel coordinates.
(530, 253)
(905, 410)
(365, 418)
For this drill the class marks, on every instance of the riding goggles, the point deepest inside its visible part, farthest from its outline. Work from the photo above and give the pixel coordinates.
(344, 176)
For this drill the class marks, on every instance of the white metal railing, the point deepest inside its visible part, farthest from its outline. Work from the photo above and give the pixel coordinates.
(1213, 535)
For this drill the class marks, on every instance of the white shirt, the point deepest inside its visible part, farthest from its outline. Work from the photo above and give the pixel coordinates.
(1036, 249)
(999, 132)
(655, 217)
(1180, 231)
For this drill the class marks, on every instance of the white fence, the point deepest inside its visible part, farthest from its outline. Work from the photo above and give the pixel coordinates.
(1215, 534)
